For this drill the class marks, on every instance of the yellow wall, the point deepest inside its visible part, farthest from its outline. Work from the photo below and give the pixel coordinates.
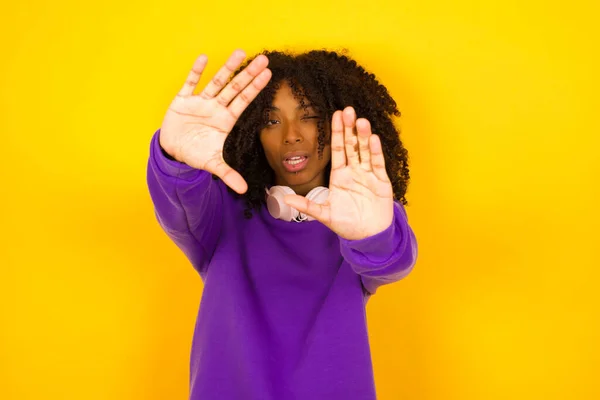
(500, 104)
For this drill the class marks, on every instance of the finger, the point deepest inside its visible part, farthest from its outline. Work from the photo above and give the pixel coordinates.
(350, 139)
(377, 159)
(338, 154)
(194, 76)
(363, 127)
(242, 79)
(222, 76)
(228, 175)
(320, 212)
(243, 100)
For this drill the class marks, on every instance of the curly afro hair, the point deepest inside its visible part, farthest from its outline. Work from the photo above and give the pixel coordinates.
(329, 81)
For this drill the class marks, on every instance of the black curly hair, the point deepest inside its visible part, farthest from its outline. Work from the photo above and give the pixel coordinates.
(329, 81)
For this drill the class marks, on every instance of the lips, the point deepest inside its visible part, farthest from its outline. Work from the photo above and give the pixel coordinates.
(296, 161)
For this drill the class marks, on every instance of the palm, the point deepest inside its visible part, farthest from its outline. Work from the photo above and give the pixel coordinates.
(356, 198)
(195, 126)
(203, 125)
(360, 202)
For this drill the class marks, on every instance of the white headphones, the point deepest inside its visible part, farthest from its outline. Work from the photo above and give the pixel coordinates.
(278, 209)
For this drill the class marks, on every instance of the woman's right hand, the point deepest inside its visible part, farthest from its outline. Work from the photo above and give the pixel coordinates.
(196, 126)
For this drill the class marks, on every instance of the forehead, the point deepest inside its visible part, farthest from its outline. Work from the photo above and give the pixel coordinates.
(284, 95)
(284, 98)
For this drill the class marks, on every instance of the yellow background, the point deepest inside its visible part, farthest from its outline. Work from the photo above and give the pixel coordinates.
(500, 115)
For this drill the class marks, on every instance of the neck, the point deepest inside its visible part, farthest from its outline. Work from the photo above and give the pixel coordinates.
(303, 188)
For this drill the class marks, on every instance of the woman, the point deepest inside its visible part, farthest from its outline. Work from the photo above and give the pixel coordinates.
(291, 210)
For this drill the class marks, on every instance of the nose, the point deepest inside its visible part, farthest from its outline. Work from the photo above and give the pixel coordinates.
(292, 135)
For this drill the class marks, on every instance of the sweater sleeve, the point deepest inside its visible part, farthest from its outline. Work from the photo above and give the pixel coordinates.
(385, 257)
(187, 204)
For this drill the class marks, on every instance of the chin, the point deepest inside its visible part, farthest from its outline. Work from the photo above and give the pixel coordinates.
(295, 178)
(299, 178)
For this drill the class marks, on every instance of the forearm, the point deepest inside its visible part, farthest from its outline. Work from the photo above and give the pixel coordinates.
(385, 257)
(187, 204)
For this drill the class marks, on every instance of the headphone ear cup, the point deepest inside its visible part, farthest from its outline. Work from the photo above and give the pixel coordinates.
(277, 207)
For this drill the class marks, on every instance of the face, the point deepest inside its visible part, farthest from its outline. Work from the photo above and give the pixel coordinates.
(290, 143)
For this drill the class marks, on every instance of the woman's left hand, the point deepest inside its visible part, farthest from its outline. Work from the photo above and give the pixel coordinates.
(361, 198)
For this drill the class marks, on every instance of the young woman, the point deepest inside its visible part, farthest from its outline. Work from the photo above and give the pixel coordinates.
(292, 211)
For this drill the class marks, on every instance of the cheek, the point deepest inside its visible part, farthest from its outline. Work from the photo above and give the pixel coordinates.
(326, 157)
(269, 150)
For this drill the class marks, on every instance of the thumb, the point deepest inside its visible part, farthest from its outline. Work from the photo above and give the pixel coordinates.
(320, 212)
(228, 175)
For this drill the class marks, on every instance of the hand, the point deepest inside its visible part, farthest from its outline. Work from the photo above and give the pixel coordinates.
(361, 198)
(196, 126)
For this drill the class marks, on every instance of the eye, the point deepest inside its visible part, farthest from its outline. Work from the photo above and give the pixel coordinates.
(271, 122)
(307, 117)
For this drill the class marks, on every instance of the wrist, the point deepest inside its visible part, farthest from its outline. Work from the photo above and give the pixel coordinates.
(164, 152)
(364, 234)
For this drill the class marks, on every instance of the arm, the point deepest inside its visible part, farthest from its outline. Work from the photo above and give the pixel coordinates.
(375, 238)
(187, 204)
(385, 257)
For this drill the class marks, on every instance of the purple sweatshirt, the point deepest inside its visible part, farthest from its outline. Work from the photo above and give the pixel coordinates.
(282, 314)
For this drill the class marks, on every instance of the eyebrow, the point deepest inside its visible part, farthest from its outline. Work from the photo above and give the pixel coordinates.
(297, 108)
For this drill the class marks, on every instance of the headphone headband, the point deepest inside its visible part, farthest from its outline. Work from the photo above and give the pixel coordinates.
(280, 210)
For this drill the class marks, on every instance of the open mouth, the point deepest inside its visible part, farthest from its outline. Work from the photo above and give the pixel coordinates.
(295, 163)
